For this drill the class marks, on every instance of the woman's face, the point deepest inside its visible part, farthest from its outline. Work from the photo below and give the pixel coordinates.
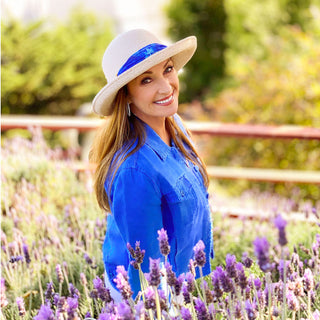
(154, 94)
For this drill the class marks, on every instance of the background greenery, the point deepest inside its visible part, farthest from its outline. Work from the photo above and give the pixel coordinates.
(256, 62)
(52, 69)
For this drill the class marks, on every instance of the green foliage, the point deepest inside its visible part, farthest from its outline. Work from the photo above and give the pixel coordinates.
(282, 89)
(52, 69)
(252, 25)
(206, 20)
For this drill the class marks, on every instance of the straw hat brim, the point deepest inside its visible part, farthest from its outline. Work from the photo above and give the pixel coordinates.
(180, 52)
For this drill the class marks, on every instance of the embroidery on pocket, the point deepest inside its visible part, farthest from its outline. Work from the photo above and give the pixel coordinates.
(182, 191)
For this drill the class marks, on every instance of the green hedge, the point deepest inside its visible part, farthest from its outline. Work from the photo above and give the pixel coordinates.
(52, 69)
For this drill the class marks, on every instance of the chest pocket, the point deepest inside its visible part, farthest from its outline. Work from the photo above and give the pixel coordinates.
(182, 191)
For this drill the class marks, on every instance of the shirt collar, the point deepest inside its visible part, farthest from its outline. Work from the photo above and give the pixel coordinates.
(154, 141)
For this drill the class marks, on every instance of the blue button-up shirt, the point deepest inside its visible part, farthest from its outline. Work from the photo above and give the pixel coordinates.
(154, 188)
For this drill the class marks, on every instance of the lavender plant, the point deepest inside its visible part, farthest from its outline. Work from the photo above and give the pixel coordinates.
(51, 266)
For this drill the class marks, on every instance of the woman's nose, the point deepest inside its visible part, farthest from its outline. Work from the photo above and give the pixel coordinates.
(164, 86)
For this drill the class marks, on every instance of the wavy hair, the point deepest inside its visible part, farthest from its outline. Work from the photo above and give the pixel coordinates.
(114, 143)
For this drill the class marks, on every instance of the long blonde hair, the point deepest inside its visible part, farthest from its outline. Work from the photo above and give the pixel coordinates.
(118, 135)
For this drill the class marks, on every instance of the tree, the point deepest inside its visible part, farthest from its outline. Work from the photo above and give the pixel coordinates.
(49, 69)
(206, 20)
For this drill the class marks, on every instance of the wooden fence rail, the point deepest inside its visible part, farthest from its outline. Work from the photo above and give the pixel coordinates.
(83, 124)
(210, 128)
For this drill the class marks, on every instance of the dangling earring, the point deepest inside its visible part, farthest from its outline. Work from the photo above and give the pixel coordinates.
(128, 109)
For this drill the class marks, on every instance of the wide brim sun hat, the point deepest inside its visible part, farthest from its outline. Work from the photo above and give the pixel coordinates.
(132, 53)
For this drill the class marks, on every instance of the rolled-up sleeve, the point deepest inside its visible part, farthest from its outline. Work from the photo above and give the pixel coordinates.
(136, 207)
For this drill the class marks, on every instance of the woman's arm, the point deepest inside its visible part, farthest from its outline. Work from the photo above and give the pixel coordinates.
(136, 206)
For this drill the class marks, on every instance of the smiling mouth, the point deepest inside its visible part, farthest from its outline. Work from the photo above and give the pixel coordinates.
(165, 101)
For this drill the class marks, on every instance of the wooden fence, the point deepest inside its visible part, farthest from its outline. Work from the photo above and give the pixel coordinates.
(83, 124)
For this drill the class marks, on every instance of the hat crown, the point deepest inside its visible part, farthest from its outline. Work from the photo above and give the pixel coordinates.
(122, 48)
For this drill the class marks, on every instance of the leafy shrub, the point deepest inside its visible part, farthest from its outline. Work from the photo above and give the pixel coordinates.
(283, 89)
(52, 69)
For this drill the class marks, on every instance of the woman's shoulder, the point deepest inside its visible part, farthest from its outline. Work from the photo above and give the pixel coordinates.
(140, 160)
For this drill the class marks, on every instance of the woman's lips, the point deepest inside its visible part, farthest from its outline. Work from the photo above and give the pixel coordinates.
(165, 102)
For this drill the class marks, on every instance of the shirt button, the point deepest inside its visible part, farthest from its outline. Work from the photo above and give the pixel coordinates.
(182, 193)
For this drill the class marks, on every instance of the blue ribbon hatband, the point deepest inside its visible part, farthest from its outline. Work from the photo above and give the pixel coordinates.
(140, 55)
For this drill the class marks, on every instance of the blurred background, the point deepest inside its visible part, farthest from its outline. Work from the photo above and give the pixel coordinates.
(257, 62)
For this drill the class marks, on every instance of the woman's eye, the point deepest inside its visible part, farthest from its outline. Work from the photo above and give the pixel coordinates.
(145, 80)
(169, 69)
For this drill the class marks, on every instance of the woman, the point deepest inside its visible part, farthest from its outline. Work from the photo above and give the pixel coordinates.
(148, 175)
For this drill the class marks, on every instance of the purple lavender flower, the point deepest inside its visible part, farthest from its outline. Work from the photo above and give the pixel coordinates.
(101, 291)
(171, 276)
(94, 293)
(88, 259)
(212, 311)
(3, 298)
(257, 283)
(186, 294)
(280, 224)
(251, 310)
(231, 266)
(298, 287)
(49, 292)
(154, 274)
(21, 307)
(139, 309)
(275, 311)
(261, 249)
(59, 273)
(292, 301)
(178, 284)
(72, 307)
(83, 279)
(224, 280)
(247, 261)
(150, 302)
(216, 284)
(74, 292)
(185, 314)
(163, 300)
(56, 298)
(308, 280)
(122, 282)
(261, 298)
(281, 268)
(316, 315)
(163, 242)
(62, 305)
(26, 253)
(238, 310)
(125, 312)
(201, 310)
(208, 293)
(315, 249)
(14, 259)
(108, 316)
(190, 282)
(243, 281)
(295, 259)
(45, 313)
(199, 255)
(137, 254)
